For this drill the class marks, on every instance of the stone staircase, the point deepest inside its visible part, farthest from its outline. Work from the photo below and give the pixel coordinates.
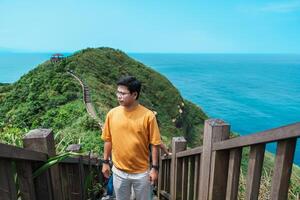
(87, 99)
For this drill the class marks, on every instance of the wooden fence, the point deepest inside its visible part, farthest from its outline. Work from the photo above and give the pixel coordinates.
(64, 181)
(212, 171)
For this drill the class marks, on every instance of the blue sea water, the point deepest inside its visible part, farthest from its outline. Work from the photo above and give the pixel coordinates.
(252, 92)
(14, 65)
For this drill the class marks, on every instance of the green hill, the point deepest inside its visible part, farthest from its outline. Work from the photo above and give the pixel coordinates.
(49, 97)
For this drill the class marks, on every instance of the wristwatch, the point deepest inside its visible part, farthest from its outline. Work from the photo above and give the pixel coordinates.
(155, 167)
(105, 161)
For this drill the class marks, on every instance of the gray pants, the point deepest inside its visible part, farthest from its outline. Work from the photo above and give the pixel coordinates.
(122, 187)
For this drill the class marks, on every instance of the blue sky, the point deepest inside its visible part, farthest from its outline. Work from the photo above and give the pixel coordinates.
(151, 26)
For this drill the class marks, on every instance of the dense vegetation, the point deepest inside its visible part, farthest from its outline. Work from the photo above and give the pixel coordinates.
(49, 97)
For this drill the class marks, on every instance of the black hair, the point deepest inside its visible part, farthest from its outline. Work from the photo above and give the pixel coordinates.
(131, 83)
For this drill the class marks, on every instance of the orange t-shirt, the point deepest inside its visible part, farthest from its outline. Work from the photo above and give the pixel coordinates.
(130, 133)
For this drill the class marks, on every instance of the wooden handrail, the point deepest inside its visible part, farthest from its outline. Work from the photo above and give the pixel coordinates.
(219, 162)
(85, 161)
(62, 181)
(190, 152)
(13, 152)
(272, 135)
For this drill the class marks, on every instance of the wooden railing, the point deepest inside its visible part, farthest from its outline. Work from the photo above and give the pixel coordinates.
(212, 171)
(64, 181)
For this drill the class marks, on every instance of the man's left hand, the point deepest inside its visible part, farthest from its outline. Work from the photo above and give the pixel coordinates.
(153, 176)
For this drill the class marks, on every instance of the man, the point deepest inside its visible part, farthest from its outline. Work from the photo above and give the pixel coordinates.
(128, 131)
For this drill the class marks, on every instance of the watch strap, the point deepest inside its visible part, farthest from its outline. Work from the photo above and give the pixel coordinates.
(105, 161)
(156, 167)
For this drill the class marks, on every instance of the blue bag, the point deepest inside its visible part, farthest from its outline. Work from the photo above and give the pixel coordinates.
(110, 186)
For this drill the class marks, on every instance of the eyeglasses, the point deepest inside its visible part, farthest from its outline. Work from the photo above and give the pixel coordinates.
(118, 93)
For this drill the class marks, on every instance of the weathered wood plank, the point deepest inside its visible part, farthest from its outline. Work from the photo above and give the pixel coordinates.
(12, 152)
(205, 161)
(70, 160)
(65, 181)
(42, 184)
(178, 144)
(190, 152)
(283, 169)
(219, 173)
(168, 176)
(219, 165)
(164, 174)
(47, 185)
(74, 160)
(160, 175)
(74, 147)
(233, 173)
(197, 177)
(26, 184)
(82, 176)
(7, 184)
(191, 177)
(184, 184)
(255, 164)
(214, 130)
(74, 183)
(284, 132)
(178, 179)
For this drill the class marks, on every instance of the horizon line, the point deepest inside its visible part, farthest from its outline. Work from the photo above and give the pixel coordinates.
(152, 52)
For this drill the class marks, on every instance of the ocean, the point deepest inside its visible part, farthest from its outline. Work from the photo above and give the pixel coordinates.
(252, 92)
(14, 65)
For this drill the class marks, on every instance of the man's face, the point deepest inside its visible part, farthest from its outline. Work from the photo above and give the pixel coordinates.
(124, 96)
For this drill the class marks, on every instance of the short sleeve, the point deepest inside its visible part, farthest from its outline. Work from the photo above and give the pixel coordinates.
(154, 133)
(106, 134)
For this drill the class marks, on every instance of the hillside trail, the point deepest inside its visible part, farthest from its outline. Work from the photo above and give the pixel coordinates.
(87, 99)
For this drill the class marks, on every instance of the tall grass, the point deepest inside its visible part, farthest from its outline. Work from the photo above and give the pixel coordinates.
(266, 178)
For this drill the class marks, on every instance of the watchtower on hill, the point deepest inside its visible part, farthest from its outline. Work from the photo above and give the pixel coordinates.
(56, 57)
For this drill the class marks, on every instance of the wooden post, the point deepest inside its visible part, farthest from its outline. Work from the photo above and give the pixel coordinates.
(74, 147)
(178, 144)
(42, 140)
(283, 168)
(214, 165)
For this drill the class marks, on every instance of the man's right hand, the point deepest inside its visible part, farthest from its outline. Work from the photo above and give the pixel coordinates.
(105, 170)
